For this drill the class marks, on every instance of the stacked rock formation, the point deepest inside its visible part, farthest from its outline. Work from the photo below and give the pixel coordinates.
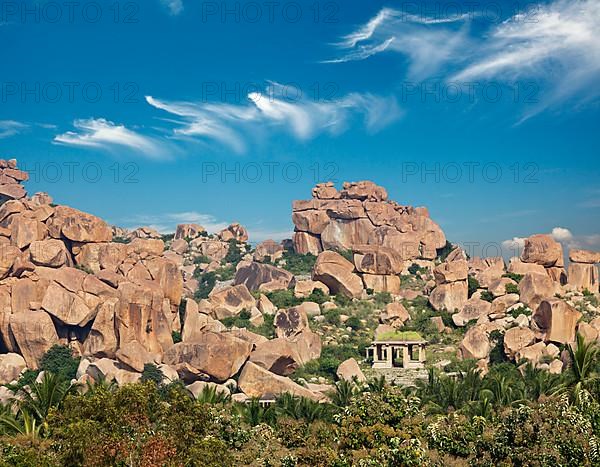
(63, 281)
(451, 291)
(358, 215)
(583, 272)
(10, 181)
(541, 254)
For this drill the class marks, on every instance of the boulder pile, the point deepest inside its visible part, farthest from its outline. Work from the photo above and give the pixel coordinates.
(116, 301)
(360, 214)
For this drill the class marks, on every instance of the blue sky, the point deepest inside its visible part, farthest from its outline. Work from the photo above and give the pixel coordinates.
(160, 112)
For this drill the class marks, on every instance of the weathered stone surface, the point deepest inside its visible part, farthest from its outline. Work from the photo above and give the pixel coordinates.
(394, 314)
(503, 303)
(346, 234)
(350, 371)
(305, 243)
(450, 297)
(364, 190)
(265, 306)
(290, 322)
(34, 333)
(234, 232)
(279, 356)
(498, 287)
(476, 343)
(516, 266)
(135, 356)
(255, 381)
(78, 226)
(382, 283)
(543, 250)
(312, 221)
(142, 316)
(25, 230)
(179, 246)
(534, 288)
(11, 366)
(377, 260)
(257, 276)
(532, 353)
(589, 333)
(451, 271)
(337, 273)
(8, 256)
(231, 301)
(472, 310)
(67, 307)
(268, 249)
(188, 231)
(304, 288)
(584, 256)
(218, 355)
(102, 339)
(557, 320)
(583, 276)
(516, 339)
(52, 253)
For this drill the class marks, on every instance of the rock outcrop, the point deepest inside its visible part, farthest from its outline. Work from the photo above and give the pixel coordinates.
(360, 214)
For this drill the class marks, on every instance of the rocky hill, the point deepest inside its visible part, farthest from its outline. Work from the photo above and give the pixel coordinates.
(212, 311)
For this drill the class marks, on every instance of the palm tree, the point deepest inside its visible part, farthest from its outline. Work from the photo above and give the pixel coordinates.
(254, 413)
(377, 384)
(26, 424)
(538, 382)
(210, 395)
(344, 392)
(581, 376)
(39, 398)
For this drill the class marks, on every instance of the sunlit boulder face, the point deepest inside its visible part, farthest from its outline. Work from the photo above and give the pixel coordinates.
(360, 214)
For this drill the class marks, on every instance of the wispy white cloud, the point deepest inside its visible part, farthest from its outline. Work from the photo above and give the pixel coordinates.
(11, 127)
(175, 6)
(233, 125)
(428, 43)
(103, 134)
(555, 48)
(559, 46)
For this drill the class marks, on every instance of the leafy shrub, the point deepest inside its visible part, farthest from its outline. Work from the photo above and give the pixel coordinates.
(202, 260)
(283, 298)
(383, 298)
(206, 283)
(298, 264)
(152, 373)
(353, 322)
(415, 269)
(473, 285)
(176, 335)
(241, 320)
(317, 296)
(512, 288)
(60, 361)
(234, 253)
(332, 316)
(515, 277)
(487, 296)
(341, 300)
(522, 310)
(347, 254)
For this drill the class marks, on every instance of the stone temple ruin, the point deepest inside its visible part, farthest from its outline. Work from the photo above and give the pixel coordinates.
(406, 354)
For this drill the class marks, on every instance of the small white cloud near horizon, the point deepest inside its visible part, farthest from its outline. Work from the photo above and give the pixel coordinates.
(100, 133)
(175, 6)
(560, 234)
(516, 244)
(11, 127)
(233, 125)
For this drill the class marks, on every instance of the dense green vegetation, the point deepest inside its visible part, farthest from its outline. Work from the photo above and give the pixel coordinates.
(507, 417)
